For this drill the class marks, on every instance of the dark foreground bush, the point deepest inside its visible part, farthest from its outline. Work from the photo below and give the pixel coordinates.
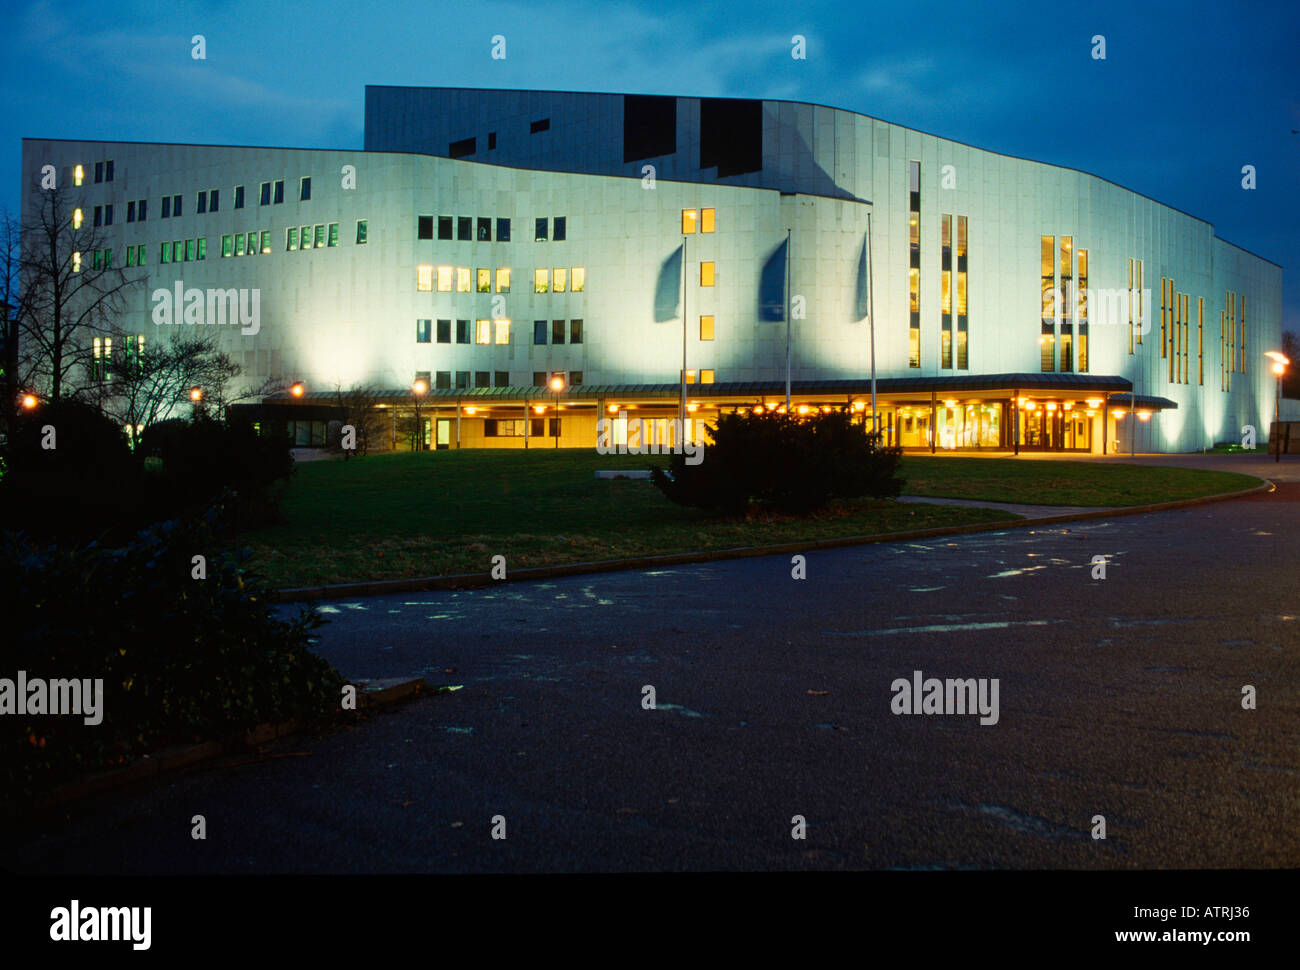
(68, 473)
(793, 464)
(181, 659)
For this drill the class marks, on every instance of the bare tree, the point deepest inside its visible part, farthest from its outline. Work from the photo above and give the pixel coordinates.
(73, 287)
(359, 406)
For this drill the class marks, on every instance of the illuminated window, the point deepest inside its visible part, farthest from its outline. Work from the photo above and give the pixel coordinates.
(578, 279)
(706, 220)
(266, 240)
(424, 278)
(945, 292)
(914, 289)
(78, 175)
(189, 250)
(202, 252)
(483, 280)
(76, 218)
(1047, 333)
(423, 331)
(541, 280)
(914, 263)
(139, 255)
(1200, 340)
(1065, 261)
(502, 331)
(320, 236)
(130, 256)
(227, 245)
(444, 279)
(706, 376)
(361, 232)
(304, 238)
(165, 250)
(690, 377)
(291, 238)
(560, 280)
(690, 221)
(482, 331)
(462, 279)
(706, 274)
(1083, 311)
(503, 279)
(76, 262)
(332, 241)
(706, 327)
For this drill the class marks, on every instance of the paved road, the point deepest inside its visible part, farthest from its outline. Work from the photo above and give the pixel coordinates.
(1118, 697)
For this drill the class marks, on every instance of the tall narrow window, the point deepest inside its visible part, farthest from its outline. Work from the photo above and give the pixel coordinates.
(483, 280)
(707, 273)
(1047, 275)
(77, 218)
(945, 292)
(541, 280)
(502, 327)
(690, 221)
(706, 327)
(1065, 259)
(1187, 326)
(963, 359)
(707, 217)
(424, 279)
(239, 196)
(1244, 355)
(279, 191)
(914, 267)
(559, 279)
(1164, 311)
(304, 189)
(462, 279)
(465, 228)
(1083, 311)
(444, 279)
(577, 279)
(1142, 308)
(503, 279)
(214, 200)
(1200, 340)
(482, 331)
(1130, 305)
(361, 232)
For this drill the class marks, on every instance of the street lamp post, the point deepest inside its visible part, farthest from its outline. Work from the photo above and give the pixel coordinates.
(557, 386)
(418, 390)
(1280, 362)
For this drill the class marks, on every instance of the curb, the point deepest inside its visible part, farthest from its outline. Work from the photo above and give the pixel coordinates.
(480, 580)
(370, 694)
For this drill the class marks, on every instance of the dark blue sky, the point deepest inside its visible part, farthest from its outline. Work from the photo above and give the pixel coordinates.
(1186, 96)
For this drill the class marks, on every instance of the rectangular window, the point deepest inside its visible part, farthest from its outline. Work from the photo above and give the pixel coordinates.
(77, 218)
(462, 331)
(130, 256)
(444, 227)
(333, 236)
(483, 280)
(501, 378)
(304, 238)
(557, 331)
(575, 378)
(462, 279)
(98, 219)
(78, 175)
(459, 149)
(130, 215)
(1164, 337)
(239, 244)
(422, 331)
(166, 207)
(96, 258)
(539, 332)
(320, 236)
(706, 376)
(706, 327)
(561, 229)
(201, 205)
(227, 245)
(189, 250)
(165, 253)
(139, 255)
(914, 263)
(108, 215)
(1200, 340)
(503, 279)
(542, 231)
(361, 232)
(266, 240)
(1083, 311)
(202, 248)
(444, 279)
(1065, 262)
(279, 191)
(1243, 328)
(176, 206)
(559, 279)
(553, 427)
(539, 376)
(214, 200)
(945, 291)
(442, 380)
(503, 230)
(99, 172)
(575, 331)
(444, 331)
(424, 227)
(424, 278)
(578, 279)
(690, 221)
(462, 379)
(540, 125)
(1047, 334)
(706, 274)
(481, 378)
(142, 210)
(76, 262)
(464, 229)
(239, 196)
(502, 331)
(291, 238)
(541, 280)
(537, 426)
(264, 194)
(706, 220)
(484, 229)
(108, 259)
(304, 189)
(108, 171)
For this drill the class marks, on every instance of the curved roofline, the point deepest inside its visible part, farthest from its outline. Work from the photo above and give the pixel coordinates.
(442, 158)
(829, 107)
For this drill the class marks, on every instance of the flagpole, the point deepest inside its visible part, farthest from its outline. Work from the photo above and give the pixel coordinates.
(871, 315)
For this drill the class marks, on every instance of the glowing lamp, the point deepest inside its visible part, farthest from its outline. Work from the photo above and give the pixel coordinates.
(298, 390)
(29, 401)
(420, 386)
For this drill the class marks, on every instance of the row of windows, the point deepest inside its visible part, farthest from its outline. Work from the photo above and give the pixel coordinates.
(320, 236)
(102, 355)
(182, 250)
(914, 264)
(485, 331)
(702, 220)
(1175, 333)
(514, 427)
(1057, 280)
(472, 229)
(559, 329)
(458, 279)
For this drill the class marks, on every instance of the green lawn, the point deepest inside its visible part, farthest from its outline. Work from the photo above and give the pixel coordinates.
(1043, 482)
(447, 512)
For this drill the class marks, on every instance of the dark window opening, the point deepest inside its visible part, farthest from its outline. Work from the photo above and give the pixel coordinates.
(542, 124)
(462, 331)
(484, 230)
(424, 228)
(459, 149)
(561, 228)
(541, 233)
(444, 227)
(649, 126)
(503, 230)
(465, 228)
(482, 378)
(539, 331)
(492, 140)
(502, 378)
(444, 331)
(731, 135)
(557, 331)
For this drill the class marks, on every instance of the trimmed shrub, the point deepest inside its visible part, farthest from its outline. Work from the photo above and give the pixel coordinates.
(792, 464)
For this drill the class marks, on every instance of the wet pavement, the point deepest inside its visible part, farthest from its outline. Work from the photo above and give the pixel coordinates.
(1118, 697)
